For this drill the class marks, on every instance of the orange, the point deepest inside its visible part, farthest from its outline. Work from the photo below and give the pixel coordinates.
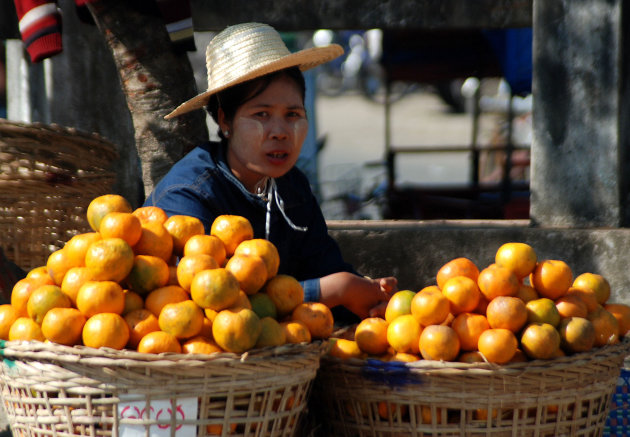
(482, 305)
(182, 319)
(45, 298)
(73, 280)
(387, 411)
(140, 321)
(520, 258)
(241, 302)
(371, 335)
(542, 310)
(286, 293)
(40, 274)
(207, 244)
(263, 306)
(57, 264)
(399, 304)
(105, 330)
(123, 225)
(264, 249)
(100, 297)
(236, 331)
(147, 274)
(439, 342)
(577, 334)
(622, 314)
(200, 345)
(133, 301)
(403, 334)
(571, 306)
(100, 206)
(457, 267)
(344, 349)
(158, 342)
(210, 314)
(497, 345)
(587, 296)
(295, 332)
(249, 270)
(159, 297)
(217, 429)
(551, 278)
(216, 289)
(462, 294)
(404, 357)
(206, 327)
(154, 240)
(20, 293)
(109, 259)
(431, 414)
(606, 327)
(271, 334)
(520, 357)
(181, 228)
(190, 265)
(595, 282)
(26, 329)
(231, 230)
(316, 316)
(507, 312)
(430, 307)
(526, 293)
(473, 356)
(63, 326)
(148, 214)
(77, 246)
(8, 315)
(540, 341)
(469, 327)
(496, 280)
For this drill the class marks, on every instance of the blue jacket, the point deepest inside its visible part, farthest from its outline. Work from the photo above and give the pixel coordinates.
(201, 185)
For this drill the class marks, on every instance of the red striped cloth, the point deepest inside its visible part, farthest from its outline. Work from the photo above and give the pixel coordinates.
(40, 25)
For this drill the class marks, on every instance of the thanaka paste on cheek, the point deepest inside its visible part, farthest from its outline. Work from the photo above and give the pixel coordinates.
(300, 129)
(252, 132)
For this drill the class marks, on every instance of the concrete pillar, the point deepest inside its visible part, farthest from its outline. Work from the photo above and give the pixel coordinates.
(578, 170)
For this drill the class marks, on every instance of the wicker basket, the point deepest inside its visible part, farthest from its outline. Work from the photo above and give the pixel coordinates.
(568, 396)
(48, 176)
(53, 390)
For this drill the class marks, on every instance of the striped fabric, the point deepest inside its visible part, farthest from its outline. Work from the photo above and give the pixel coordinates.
(40, 27)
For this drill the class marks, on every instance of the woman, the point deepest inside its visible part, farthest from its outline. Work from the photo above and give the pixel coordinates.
(256, 96)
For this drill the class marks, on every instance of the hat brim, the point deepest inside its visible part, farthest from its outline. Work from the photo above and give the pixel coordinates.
(304, 60)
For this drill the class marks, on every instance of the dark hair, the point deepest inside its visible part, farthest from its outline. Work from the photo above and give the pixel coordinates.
(235, 96)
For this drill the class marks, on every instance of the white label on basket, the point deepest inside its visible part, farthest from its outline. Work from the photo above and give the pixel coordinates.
(161, 410)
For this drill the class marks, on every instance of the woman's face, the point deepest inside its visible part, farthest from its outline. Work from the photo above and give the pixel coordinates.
(267, 133)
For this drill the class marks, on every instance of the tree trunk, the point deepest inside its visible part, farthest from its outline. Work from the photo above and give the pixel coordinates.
(155, 79)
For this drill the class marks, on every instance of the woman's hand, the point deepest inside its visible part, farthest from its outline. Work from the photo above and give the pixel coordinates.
(363, 296)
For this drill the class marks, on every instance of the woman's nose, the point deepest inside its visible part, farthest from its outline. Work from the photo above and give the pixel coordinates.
(278, 129)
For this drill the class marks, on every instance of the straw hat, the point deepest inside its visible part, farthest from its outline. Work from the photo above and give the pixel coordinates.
(247, 51)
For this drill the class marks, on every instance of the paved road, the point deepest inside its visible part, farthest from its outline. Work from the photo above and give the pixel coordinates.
(355, 130)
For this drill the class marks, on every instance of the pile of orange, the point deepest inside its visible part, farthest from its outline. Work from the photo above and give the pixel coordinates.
(518, 308)
(144, 281)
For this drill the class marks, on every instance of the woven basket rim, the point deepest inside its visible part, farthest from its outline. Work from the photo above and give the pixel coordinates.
(450, 367)
(40, 351)
(11, 126)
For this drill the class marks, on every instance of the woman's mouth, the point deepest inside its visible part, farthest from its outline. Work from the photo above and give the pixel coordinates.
(277, 157)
